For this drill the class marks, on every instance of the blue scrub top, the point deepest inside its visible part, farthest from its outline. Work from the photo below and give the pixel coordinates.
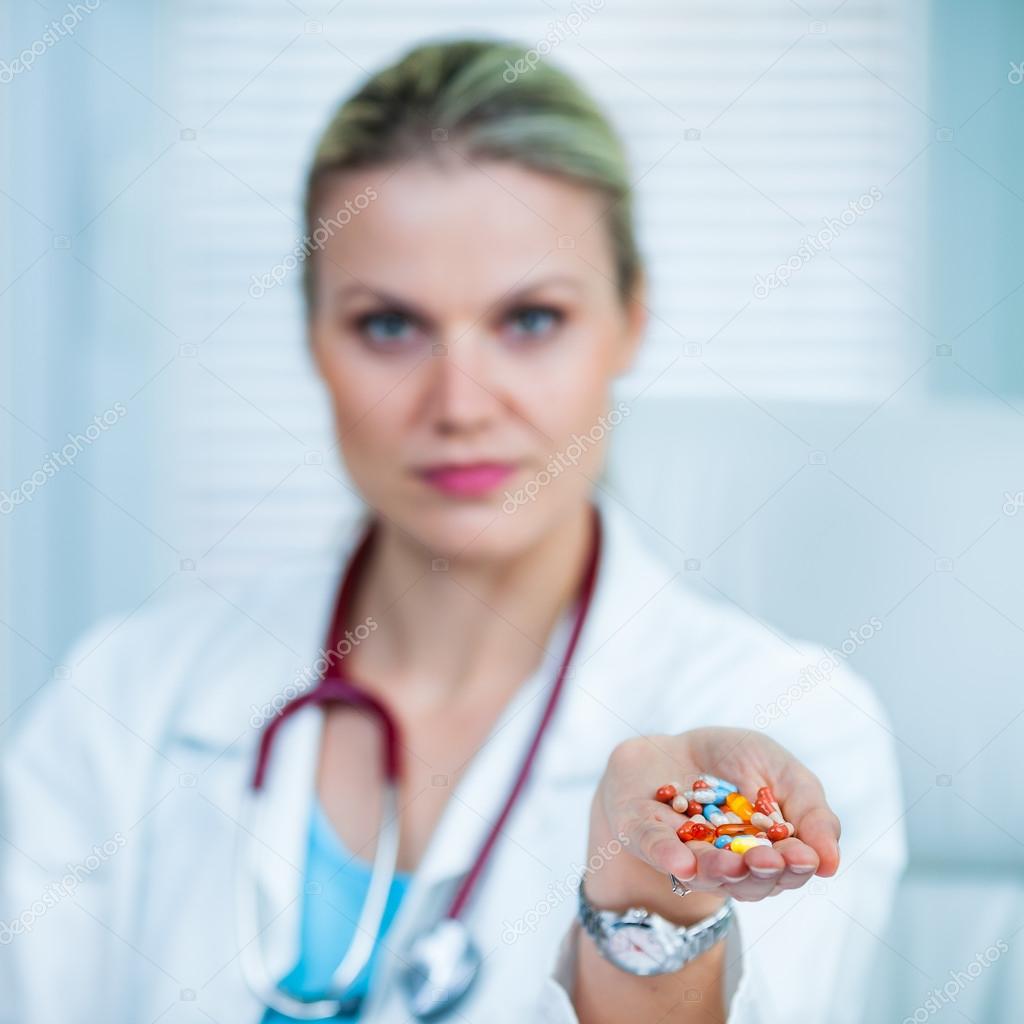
(336, 885)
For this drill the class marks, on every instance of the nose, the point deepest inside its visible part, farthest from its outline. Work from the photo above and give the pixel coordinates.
(463, 398)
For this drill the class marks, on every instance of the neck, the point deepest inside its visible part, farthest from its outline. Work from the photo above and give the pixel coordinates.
(477, 628)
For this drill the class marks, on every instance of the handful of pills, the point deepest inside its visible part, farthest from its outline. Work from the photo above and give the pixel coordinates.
(717, 812)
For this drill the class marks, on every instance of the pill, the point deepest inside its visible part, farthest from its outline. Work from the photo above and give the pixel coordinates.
(694, 830)
(735, 830)
(723, 841)
(716, 811)
(705, 796)
(739, 804)
(718, 783)
(743, 843)
(715, 816)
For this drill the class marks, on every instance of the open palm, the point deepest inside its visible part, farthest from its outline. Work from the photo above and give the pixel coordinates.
(748, 759)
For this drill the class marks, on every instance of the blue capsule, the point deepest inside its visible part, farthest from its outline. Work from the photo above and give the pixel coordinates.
(722, 784)
(723, 841)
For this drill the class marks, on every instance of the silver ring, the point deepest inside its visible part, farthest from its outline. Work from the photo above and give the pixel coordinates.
(680, 888)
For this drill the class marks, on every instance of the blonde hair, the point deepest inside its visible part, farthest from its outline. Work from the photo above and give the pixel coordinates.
(483, 99)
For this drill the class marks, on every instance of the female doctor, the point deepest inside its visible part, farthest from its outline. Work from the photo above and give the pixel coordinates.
(418, 784)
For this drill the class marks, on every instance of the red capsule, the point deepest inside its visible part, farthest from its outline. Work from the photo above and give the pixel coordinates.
(693, 808)
(777, 833)
(701, 784)
(665, 794)
(766, 802)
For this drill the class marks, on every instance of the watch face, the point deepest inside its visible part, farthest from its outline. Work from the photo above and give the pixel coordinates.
(637, 948)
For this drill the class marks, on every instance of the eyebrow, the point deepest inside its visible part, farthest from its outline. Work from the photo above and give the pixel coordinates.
(507, 298)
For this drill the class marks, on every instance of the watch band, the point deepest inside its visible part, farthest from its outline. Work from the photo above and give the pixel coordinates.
(689, 941)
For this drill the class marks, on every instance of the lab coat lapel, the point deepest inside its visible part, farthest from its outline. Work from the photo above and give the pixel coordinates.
(270, 652)
(278, 843)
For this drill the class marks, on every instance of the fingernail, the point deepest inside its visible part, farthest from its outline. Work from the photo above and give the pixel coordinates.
(801, 869)
(738, 878)
(763, 872)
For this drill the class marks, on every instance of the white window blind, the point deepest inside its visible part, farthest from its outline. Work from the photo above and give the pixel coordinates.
(750, 125)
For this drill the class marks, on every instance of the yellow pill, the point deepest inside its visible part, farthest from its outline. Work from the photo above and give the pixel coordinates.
(739, 804)
(743, 843)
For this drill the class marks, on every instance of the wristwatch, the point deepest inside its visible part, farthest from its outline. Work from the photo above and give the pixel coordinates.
(641, 942)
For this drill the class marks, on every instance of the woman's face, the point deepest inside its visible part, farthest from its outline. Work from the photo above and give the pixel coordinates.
(468, 326)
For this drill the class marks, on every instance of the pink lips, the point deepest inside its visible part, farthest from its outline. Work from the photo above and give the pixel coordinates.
(469, 480)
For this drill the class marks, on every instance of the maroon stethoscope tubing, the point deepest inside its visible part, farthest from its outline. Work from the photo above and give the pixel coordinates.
(336, 687)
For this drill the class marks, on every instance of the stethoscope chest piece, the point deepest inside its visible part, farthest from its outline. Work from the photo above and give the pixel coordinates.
(442, 964)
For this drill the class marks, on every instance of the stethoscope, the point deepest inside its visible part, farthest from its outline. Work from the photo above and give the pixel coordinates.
(442, 963)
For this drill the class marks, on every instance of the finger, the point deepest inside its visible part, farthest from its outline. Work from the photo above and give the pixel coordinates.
(751, 889)
(801, 862)
(654, 840)
(819, 829)
(716, 868)
(799, 857)
(816, 823)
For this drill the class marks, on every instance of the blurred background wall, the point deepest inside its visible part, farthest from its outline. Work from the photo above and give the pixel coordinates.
(817, 439)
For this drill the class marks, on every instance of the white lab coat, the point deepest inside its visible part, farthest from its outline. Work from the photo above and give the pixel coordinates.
(144, 743)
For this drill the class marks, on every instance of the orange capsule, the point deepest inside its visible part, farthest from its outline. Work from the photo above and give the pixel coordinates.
(665, 794)
(735, 830)
(705, 833)
(739, 804)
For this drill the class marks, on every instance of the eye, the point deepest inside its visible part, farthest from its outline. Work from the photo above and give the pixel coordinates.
(387, 328)
(530, 322)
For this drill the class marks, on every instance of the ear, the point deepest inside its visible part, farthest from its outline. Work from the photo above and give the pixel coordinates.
(636, 316)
